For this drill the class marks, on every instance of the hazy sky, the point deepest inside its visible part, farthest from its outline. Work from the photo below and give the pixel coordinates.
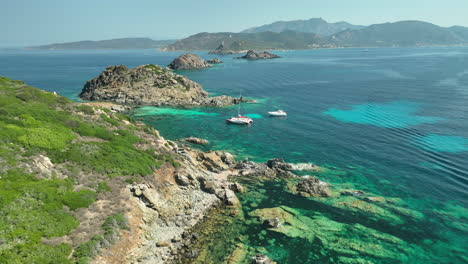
(31, 22)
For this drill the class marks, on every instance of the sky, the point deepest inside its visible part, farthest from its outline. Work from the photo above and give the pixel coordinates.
(35, 22)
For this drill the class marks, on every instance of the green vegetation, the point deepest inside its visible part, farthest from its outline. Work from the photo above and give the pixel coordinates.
(103, 187)
(155, 68)
(31, 209)
(78, 141)
(86, 251)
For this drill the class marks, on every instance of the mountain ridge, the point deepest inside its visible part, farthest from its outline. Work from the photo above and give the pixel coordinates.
(317, 26)
(119, 43)
(407, 33)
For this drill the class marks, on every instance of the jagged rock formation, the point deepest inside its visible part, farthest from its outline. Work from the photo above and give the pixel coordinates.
(312, 186)
(188, 61)
(149, 85)
(252, 55)
(215, 61)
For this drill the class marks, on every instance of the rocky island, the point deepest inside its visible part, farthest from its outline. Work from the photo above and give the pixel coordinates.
(188, 61)
(252, 55)
(149, 85)
(215, 61)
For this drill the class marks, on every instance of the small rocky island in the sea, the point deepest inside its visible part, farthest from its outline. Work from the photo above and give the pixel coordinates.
(149, 85)
(214, 61)
(252, 55)
(188, 61)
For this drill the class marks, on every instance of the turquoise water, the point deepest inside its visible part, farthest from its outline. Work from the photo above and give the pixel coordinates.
(390, 122)
(389, 115)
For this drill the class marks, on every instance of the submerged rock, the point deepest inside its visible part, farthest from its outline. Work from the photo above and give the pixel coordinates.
(273, 222)
(188, 61)
(149, 85)
(252, 55)
(262, 259)
(312, 186)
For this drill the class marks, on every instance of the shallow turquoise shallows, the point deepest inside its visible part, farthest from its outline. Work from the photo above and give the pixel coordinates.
(390, 122)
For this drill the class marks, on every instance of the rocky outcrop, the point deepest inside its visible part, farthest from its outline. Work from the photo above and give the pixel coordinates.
(214, 61)
(262, 259)
(188, 61)
(271, 169)
(195, 140)
(149, 85)
(252, 55)
(312, 186)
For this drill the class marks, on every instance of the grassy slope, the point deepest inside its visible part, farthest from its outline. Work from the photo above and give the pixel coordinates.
(34, 122)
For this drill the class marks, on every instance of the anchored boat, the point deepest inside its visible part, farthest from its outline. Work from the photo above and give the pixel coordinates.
(278, 113)
(240, 119)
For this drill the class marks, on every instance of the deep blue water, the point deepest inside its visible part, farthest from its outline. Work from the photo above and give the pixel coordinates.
(400, 113)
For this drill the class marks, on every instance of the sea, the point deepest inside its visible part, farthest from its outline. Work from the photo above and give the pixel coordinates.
(391, 122)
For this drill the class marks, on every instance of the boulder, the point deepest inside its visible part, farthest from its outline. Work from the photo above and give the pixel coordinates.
(249, 168)
(252, 55)
(312, 186)
(279, 165)
(188, 61)
(195, 140)
(272, 222)
(261, 259)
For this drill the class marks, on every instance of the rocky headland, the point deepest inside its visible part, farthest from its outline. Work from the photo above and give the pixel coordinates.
(252, 55)
(149, 85)
(188, 61)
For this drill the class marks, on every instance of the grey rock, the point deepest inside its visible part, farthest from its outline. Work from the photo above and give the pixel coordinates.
(261, 259)
(273, 222)
(188, 61)
(252, 55)
(148, 85)
(196, 140)
(278, 164)
(312, 186)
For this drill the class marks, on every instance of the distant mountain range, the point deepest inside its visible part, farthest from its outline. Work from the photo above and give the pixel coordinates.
(297, 34)
(122, 43)
(313, 25)
(403, 33)
(399, 34)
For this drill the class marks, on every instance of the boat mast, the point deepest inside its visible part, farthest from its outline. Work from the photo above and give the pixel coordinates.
(240, 101)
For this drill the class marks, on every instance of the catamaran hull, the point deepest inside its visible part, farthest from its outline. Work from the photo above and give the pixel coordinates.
(277, 114)
(239, 122)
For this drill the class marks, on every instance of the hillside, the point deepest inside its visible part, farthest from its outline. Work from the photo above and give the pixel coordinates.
(123, 43)
(314, 25)
(404, 33)
(246, 41)
(79, 181)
